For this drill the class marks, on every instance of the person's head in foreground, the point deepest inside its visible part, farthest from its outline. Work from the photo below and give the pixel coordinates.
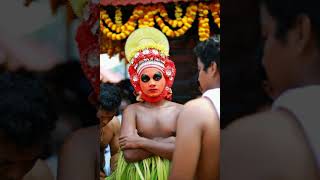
(291, 37)
(26, 121)
(110, 100)
(151, 71)
(208, 57)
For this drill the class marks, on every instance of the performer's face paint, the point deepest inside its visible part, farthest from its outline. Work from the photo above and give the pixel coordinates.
(152, 82)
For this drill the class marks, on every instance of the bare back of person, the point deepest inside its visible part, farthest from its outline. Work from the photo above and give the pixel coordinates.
(208, 144)
(157, 121)
(197, 153)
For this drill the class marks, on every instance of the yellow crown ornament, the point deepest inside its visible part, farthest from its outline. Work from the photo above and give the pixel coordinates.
(146, 38)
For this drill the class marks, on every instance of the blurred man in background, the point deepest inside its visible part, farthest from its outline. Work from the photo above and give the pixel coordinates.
(282, 143)
(26, 121)
(82, 152)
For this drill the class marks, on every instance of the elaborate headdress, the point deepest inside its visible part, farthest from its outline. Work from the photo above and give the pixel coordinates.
(145, 48)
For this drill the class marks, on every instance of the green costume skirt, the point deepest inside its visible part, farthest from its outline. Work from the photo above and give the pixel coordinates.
(153, 168)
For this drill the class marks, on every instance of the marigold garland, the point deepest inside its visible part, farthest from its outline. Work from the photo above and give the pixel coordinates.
(148, 19)
(204, 28)
(215, 12)
(147, 16)
(187, 21)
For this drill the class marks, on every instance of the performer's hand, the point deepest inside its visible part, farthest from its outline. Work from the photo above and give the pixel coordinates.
(132, 141)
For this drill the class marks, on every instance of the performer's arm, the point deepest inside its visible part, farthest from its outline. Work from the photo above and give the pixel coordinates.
(163, 147)
(171, 139)
(128, 128)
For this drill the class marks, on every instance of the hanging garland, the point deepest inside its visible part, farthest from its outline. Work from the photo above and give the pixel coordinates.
(184, 23)
(204, 28)
(215, 12)
(148, 16)
(119, 31)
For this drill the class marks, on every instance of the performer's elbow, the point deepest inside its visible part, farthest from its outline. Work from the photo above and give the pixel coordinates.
(130, 156)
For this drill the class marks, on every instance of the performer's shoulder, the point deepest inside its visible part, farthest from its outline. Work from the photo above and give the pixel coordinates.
(176, 105)
(133, 109)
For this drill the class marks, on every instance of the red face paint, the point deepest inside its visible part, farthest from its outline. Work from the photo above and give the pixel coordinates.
(152, 82)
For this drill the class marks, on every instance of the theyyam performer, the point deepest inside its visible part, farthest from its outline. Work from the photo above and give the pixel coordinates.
(148, 129)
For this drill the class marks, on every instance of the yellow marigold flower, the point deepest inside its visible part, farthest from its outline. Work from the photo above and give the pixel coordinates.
(105, 31)
(118, 37)
(114, 37)
(184, 20)
(104, 16)
(123, 35)
(118, 30)
(175, 23)
(109, 35)
(188, 25)
(113, 27)
(127, 33)
(180, 31)
(189, 20)
(184, 28)
(165, 29)
(130, 28)
(203, 34)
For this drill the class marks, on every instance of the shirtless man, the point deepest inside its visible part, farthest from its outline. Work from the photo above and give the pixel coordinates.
(26, 121)
(110, 100)
(148, 127)
(198, 134)
(80, 153)
(282, 143)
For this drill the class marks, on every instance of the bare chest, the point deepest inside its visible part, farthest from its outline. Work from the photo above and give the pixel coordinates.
(153, 123)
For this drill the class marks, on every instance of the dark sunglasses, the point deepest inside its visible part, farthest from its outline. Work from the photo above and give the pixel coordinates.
(157, 77)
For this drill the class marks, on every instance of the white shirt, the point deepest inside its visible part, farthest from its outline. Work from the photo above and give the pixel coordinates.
(304, 104)
(214, 96)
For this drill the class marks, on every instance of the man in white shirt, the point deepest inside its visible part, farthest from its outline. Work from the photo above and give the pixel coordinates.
(198, 130)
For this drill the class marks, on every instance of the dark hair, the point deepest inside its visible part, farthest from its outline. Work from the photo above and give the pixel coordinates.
(110, 97)
(69, 89)
(285, 13)
(127, 91)
(209, 51)
(26, 115)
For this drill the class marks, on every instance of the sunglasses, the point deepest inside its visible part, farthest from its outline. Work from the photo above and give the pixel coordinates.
(157, 77)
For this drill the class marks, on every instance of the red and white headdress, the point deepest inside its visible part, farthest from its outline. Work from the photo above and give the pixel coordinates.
(145, 48)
